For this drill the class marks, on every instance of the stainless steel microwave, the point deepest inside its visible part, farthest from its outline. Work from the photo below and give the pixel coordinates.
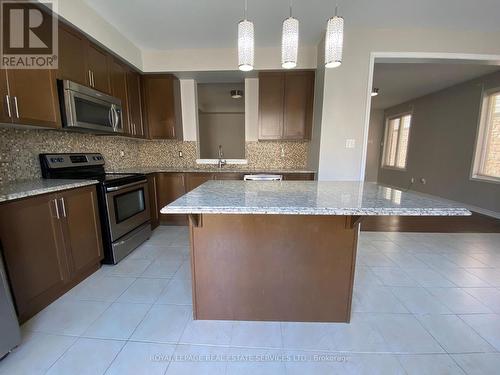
(86, 109)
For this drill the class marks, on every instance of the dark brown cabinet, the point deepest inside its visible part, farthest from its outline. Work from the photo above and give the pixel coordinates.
(169, 187)
(119, 89)
(134, 103)
(286, 105)
(6, 113)
(29, 97)
(81, 227)
(298, 176)
(298, 105)
(271, 87)
(193, 180)
(162, 109)
(50, 243)
(153, 200)
(72, 62)
(82, 61)
(97, 65)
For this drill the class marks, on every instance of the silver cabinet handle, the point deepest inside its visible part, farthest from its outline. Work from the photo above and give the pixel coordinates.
(56, 205)
(63, 207)
(16, 106)
(93, 80)
(90, 78)
(7, 103)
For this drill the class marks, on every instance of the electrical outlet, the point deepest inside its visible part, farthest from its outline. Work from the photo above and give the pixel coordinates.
(180, 154)
(350, 143)
(282, 152)
(122, 153)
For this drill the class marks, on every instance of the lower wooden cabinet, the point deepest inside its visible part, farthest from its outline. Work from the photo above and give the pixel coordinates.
(49, 243)
(169, 187)
(193, 180)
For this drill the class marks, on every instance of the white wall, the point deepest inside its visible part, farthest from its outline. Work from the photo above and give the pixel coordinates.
(220, 59)
(251, 109)
(189, 107)
(375, 135)
(346, 87)
(86, 19)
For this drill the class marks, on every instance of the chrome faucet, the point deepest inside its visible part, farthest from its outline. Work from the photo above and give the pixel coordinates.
(222, 161)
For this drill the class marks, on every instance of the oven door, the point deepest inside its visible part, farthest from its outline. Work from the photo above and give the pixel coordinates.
(128, 207)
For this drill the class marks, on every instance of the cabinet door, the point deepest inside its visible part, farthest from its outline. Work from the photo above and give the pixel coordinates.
(82, 230)
(271, 86)
(134, 102)
(159, 100)
(298, 176)
(97, 63)
(6, 110)
(119, 89)
(298, 105)
(170, 186)
(229, 176)
(72, 56)
(153, 201)
(193, 180)
(34, 98)
(33, 248)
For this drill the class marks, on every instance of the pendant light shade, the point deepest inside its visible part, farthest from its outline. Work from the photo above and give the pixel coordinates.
(290, 41)
(245, 44)
(334, 41)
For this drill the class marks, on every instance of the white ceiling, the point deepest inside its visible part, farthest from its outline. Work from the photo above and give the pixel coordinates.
(184, 24)
(401, 82)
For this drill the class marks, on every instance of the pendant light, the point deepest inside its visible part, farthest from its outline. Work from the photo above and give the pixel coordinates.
(334, 41)
(290, 41)
(245, 43)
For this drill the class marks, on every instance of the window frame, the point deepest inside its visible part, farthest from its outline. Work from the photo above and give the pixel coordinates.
(479, 155)
(386, 134)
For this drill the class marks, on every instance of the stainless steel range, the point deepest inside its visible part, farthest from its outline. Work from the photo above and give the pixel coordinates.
(123, 200)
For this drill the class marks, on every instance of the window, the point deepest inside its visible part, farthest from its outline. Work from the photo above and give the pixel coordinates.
(397, 132)
(487, 157)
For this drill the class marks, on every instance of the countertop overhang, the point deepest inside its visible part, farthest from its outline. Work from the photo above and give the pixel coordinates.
(342, 198)
(31, 188)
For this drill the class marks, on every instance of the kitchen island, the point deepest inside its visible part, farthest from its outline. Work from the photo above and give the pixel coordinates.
(285, 251)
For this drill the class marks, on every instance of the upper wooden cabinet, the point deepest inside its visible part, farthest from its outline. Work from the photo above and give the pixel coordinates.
(286, 105)
(50, 243)
(119, 89)
(29, 97)
(72, 64)
(162, 106)
(134, 103)
(82, 61)
(271, 90)
(97, 65)
(298, 105)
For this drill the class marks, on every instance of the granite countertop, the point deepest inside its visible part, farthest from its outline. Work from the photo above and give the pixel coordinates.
(309, 198)
(30, 188)
(226, 169)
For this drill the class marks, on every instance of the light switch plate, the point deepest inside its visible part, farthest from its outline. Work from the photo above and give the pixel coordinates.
(350, 143)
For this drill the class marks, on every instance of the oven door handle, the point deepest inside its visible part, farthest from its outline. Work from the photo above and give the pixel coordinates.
(116, 188)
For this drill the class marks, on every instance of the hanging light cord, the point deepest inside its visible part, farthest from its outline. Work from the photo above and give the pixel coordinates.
(290, 8)
(246, 6)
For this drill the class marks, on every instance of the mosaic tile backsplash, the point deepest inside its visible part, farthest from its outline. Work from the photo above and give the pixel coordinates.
(19, 149)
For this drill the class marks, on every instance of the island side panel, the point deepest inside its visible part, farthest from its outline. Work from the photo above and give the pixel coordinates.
(273, 267)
